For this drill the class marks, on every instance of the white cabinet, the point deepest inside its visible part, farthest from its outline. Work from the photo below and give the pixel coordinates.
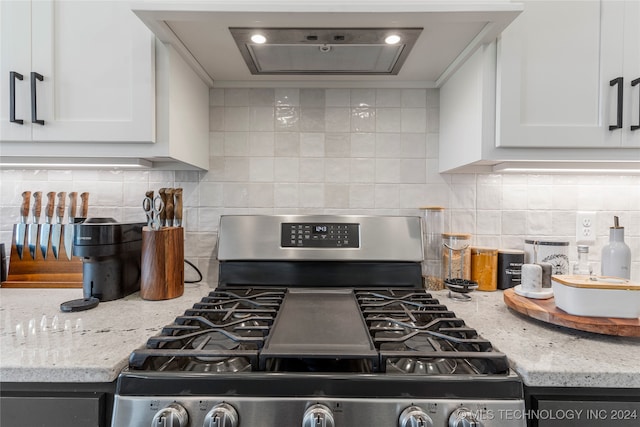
(96, 60)
(564, 75)
(541, 95)
(110, 90)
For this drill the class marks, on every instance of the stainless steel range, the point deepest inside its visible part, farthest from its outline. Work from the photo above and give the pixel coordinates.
(318, 321)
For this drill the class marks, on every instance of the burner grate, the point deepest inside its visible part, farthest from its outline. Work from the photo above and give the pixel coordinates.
(416, 334)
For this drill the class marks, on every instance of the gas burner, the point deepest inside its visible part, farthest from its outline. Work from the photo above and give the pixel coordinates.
(214, 342)
(407, 365)
(223, 365)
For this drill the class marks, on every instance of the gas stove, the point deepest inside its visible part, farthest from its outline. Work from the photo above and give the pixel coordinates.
(325, 324)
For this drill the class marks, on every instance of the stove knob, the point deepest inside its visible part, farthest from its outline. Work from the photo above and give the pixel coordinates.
(462, 417)
(318, 416)
(414, 416)
(222, 415)
(174, 415)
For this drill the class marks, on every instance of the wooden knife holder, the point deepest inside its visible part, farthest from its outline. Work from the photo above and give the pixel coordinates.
(162, 268)
(27, 272)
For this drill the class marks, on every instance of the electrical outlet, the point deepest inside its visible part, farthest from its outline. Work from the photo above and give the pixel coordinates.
(585, 228)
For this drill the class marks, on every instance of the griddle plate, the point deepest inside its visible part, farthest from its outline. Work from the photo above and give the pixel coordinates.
(318, 323)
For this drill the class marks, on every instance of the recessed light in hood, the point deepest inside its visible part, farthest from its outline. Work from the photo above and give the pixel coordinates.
(320, 51)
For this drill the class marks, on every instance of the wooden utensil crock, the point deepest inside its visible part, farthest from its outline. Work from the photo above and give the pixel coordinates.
(162, 263)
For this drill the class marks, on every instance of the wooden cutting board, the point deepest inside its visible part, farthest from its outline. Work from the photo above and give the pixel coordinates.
(546, 310)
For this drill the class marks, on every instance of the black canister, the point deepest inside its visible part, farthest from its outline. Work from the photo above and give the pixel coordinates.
(509, 267)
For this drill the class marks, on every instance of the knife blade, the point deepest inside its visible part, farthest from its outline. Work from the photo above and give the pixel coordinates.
(45, 231)
(178, 208)
(84, 206)
(32, 238)
(68, 230)
(169, 207)
(56, 230)
(21, 228)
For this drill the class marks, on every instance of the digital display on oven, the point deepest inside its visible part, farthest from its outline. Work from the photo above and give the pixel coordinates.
(320, 235)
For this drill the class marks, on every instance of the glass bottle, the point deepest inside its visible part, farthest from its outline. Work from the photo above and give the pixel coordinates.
(583, 267)
(432, 265)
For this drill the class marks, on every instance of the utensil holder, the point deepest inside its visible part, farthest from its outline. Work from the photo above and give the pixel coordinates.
(162, 268)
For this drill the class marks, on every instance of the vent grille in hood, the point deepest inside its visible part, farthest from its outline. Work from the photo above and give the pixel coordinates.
(319, 51)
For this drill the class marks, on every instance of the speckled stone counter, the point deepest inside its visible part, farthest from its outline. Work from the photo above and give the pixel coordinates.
(39, 343)
(546, 355)
(94, 345)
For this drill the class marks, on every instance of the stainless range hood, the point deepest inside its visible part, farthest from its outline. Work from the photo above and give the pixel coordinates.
(329, 43)
(323, 51)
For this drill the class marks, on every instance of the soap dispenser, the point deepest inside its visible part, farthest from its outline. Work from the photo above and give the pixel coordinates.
(616, 256)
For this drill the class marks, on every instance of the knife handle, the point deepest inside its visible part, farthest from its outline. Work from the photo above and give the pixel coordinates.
(163, 213)
(51, 199)
(73, 205)
(37, 206)
(84, 208)
(178, 206)
(169, 206)
(61, 200)
(26, 200)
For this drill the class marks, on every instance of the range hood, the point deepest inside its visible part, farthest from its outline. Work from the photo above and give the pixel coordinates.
(326, 43)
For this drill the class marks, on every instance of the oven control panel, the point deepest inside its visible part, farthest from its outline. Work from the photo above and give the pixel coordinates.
(320, 235)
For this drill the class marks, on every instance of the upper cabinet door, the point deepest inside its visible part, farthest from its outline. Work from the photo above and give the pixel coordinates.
(555, 65)
(15, 57)
(96, 59)
(631, 133)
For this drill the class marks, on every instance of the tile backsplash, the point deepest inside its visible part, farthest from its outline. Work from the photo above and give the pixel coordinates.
(364, 151)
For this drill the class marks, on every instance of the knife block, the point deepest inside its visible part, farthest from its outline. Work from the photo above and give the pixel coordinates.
(162, 268)
(38, 272)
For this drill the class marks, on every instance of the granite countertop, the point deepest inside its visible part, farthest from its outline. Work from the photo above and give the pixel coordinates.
(38, 343)
(546, 355)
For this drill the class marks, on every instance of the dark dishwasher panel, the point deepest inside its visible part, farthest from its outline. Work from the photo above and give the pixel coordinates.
(584, 407)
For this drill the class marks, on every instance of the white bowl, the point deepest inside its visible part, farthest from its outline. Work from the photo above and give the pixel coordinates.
(598, 296)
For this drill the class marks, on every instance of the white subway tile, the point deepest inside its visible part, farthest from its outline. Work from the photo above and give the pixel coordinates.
(311, 169)
(361, 196)
(337, 98)
(261, 169)
(387, 196)
(287, 144)
(236, 97)
(312, 195)
(312, 119)
(236, 119)
(363, 119)
(286, 169)
(286, 195)
(262, 144)
(236, 169)
(337, 145)
(285, 97)
(363, 97)
(262, 118)
(363, 170)
(415, 120)
(312, 97)
(236, 144)
(388, 120)
(388, 98)
(287, 119)
(261, 195)
(363, 145)
(388, 145)
(312, 144)
(414, 98)
(388, 171)
(337, 170)
(337, 119)
(413, 171)
(262, 97)
(336, 196)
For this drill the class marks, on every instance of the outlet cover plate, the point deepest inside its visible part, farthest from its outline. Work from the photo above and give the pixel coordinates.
(585, 228)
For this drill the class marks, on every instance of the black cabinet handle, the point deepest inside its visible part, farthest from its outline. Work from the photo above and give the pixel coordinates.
(12, 97)
(636, 82)
(618, 81)
(34, 111)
